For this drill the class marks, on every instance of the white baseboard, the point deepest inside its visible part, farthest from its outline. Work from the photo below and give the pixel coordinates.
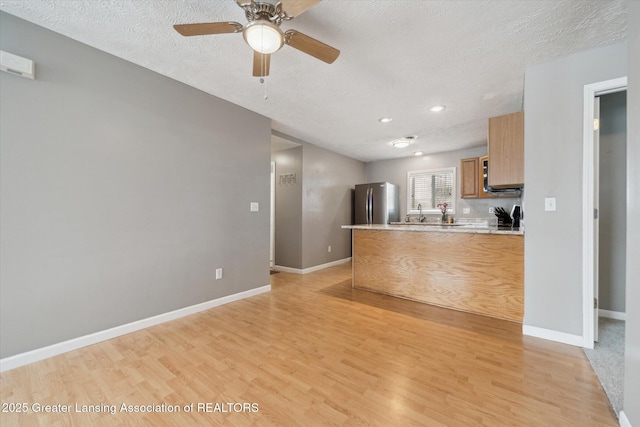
(617, 315)
(624, 421)
(549, 334)
(288, 269)
(32, 356)
(314, 268)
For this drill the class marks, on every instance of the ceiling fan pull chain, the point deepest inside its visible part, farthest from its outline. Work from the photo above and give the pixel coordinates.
(263, 65)
(264, 82)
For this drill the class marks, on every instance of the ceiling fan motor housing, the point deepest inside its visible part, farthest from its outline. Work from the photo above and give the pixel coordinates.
(272, 12)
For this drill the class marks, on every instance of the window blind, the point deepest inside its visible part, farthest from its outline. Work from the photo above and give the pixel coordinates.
(430, 188)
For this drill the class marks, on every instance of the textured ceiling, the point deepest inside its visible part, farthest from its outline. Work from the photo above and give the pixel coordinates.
(397, 59)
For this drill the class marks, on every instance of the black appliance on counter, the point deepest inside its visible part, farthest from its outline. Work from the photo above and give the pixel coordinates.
(516, 214)
(506, 219)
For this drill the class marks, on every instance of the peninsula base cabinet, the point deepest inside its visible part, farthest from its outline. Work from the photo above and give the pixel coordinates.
(476, 273)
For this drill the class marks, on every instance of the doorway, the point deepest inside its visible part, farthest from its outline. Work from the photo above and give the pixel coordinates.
(590, 222)
(611, 194)
(609, 224)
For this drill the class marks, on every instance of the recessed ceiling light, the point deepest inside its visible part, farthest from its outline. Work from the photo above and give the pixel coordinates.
(385, 119)
(418, 153)
(401, 143)
(437, 108)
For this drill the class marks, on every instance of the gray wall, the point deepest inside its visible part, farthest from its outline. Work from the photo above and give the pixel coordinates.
(395, 172)
(121, 192)
(553, 167)
(632, 332)
(288, 244)
(613, 201)
(310, 213)
(328, 183)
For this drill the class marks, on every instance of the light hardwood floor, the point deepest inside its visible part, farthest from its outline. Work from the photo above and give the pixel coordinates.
(313, 352)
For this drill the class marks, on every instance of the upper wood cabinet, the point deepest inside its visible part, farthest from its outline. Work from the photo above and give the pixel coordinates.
(472, 172)
(469, 177)
(506, 151)
(482, 168)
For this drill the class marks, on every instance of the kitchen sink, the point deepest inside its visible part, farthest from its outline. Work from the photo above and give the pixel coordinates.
(474, 224)
(427, 224)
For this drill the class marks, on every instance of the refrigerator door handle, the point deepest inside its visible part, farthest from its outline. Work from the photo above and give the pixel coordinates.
(367, 204)
(370, 206)
(366, 207)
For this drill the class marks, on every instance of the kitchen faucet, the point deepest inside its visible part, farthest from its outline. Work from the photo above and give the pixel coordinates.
(421, 217)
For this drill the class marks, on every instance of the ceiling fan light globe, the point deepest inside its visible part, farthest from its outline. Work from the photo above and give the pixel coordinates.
(263, 36)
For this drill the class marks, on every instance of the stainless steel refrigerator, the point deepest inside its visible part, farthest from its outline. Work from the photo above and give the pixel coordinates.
(377, 203)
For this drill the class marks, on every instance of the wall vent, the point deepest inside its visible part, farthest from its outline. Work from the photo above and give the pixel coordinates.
(17, 65)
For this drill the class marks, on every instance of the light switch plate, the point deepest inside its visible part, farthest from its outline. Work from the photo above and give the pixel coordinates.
(550, 204)
(218, 273)
(255, 206)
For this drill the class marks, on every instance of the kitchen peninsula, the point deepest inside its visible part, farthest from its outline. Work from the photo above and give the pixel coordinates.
(478, 270)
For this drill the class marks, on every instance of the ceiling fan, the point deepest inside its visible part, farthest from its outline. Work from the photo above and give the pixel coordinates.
(263, 32)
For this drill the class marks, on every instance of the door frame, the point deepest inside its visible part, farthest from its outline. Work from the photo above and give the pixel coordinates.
(272, 217)
(596, 218)
(588, 203)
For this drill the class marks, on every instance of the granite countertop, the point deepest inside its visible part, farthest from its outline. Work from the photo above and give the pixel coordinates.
(439, 228)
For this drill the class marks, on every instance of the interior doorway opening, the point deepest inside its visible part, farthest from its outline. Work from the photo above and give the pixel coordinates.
(589, 212)
(610, 230)
(611, 196)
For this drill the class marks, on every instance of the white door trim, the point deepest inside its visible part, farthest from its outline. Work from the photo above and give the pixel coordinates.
(596, 221)
(272, 218)
(588, 202)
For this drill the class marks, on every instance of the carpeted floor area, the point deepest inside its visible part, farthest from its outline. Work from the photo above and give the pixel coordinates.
(607, 359)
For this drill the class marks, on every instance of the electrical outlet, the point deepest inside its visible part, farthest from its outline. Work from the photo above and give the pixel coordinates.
(329, 249)
(255, 206)
(218, 273)
(491, 210)
(466, 211)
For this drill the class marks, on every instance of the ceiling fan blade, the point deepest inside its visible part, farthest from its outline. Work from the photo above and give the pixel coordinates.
(208, 28)
(297, 7)
(261, 62)
(311, 46)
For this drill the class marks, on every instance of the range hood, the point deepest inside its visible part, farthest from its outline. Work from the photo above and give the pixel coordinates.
(515, 192)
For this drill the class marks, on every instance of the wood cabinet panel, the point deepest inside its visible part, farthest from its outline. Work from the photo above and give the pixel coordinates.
(506, 150)
(478, 273)
(469, 186)
(481, 172)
